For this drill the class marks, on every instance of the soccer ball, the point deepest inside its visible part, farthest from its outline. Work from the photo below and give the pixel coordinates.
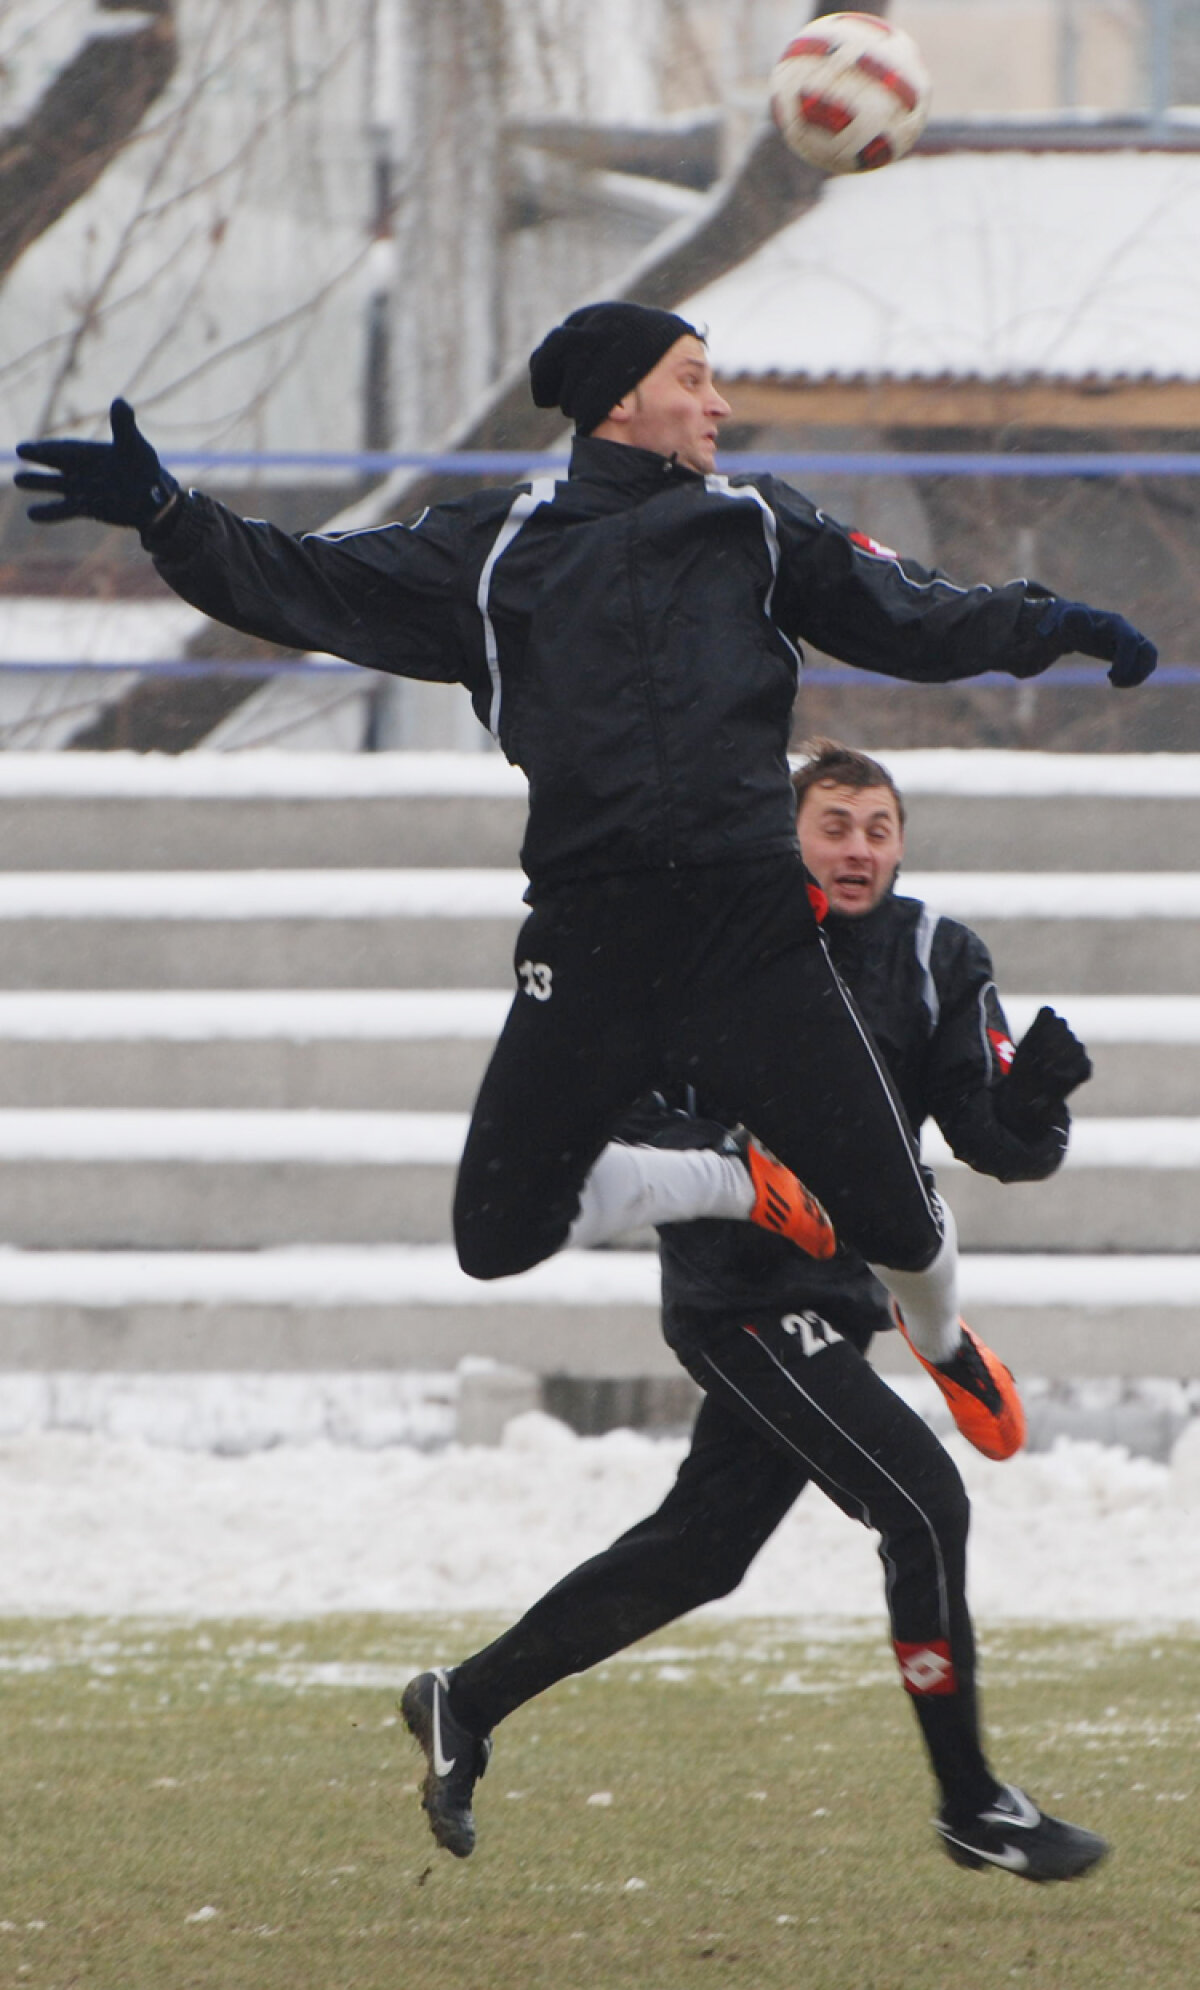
(850, 93)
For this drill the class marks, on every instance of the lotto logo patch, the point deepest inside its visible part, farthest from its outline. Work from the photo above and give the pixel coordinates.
(864, 541)
(927, 1669)
(1003, 1048)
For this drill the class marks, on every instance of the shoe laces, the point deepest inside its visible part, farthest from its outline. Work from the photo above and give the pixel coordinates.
(970, 1371)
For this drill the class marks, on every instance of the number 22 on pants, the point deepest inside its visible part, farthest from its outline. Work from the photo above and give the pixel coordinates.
(815, 1334)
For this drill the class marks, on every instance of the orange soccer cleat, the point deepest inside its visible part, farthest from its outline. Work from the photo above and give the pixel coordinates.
(980, 1392)
(781, 1201)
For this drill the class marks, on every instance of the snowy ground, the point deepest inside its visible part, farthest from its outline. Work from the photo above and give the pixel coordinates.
(102, 1525)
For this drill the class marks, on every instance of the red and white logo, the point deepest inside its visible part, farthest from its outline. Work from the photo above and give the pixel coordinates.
(927, 1669)
(1003, 1048)
(866, 544)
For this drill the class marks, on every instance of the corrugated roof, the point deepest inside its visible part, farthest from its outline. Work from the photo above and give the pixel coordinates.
(997, 266)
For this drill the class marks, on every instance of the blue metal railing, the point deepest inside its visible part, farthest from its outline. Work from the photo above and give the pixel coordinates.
(865, 463)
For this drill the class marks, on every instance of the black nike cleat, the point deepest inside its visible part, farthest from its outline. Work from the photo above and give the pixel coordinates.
(1015, 1835)
(456, 1757)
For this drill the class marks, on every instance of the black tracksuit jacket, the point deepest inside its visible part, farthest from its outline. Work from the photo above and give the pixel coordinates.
(629, 633)
(924, 985)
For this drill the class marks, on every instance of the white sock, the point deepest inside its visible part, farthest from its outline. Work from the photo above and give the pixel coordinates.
(929, 1299)
(631, 1188)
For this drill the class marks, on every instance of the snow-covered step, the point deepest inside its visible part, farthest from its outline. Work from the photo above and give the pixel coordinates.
(582, 1314)
(64, 811)
(1128, 1184)
(221, 1179)
(266, 1048)
(200, 811)
(1117, 933)
(1145, 1049)
(1124, 897)
(196, 1178)
(426, 1049)
(229, 929)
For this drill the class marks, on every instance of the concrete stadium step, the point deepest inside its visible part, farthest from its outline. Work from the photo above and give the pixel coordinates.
(273, 810)
(210, 810)
(227, 1179)
(971, 809)
(340, 1049)
(1118, 933)
(404, 1049)
(196, 1179)
(1126, 1185)
(584, 1314)
(270, 929)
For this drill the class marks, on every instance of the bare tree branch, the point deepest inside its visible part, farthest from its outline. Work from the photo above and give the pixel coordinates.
(90, 109)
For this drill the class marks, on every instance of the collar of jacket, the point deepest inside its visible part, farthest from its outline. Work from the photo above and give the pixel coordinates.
(855, 928)
(636, 472)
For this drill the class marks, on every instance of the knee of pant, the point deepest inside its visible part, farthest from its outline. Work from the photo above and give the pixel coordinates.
(498, 1242)
(720, 1576)
(909, 1253)
(723, 1577)
(724, 1565)
(490, 1257)
(948, 1505)
(499, 1247)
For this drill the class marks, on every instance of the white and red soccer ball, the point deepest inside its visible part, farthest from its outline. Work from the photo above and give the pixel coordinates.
(850, 93)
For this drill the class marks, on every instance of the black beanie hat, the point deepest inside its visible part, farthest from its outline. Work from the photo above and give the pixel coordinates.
(598, 355)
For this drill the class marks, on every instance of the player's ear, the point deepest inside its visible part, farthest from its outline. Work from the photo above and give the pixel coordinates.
(625, 408)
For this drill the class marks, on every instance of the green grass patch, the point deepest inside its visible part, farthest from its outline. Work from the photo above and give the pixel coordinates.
(235, 1805)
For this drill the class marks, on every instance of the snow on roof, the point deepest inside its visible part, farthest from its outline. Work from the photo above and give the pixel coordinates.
(994, 266)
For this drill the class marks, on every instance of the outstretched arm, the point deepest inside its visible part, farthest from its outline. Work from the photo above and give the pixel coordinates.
(382, 598)
(861, 602)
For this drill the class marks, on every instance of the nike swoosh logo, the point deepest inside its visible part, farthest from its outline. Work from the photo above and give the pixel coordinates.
(1009, 1856)
(1019, 1812)
(441, 1765)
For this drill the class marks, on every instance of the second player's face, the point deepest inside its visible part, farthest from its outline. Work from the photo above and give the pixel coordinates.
(852, 841)
(676, 410)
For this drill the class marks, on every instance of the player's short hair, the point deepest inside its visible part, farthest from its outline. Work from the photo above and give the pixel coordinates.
(827, 763)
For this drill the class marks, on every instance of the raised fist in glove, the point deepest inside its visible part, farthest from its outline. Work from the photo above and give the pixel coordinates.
(120, 482)
(1048, 1063)
(1072, 626)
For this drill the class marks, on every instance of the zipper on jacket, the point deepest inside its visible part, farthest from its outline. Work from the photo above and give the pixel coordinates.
(656, 724)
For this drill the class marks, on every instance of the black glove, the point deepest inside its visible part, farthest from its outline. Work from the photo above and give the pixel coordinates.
(1072, 625)
(120, 482)
(1048, 1063)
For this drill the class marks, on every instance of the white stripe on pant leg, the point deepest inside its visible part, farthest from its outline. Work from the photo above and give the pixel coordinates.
(932, 1200)
(929, 1299)
(884, 1550)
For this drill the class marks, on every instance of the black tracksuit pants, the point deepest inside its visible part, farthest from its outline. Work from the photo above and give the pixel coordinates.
(714, 977)
(786, 1402)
